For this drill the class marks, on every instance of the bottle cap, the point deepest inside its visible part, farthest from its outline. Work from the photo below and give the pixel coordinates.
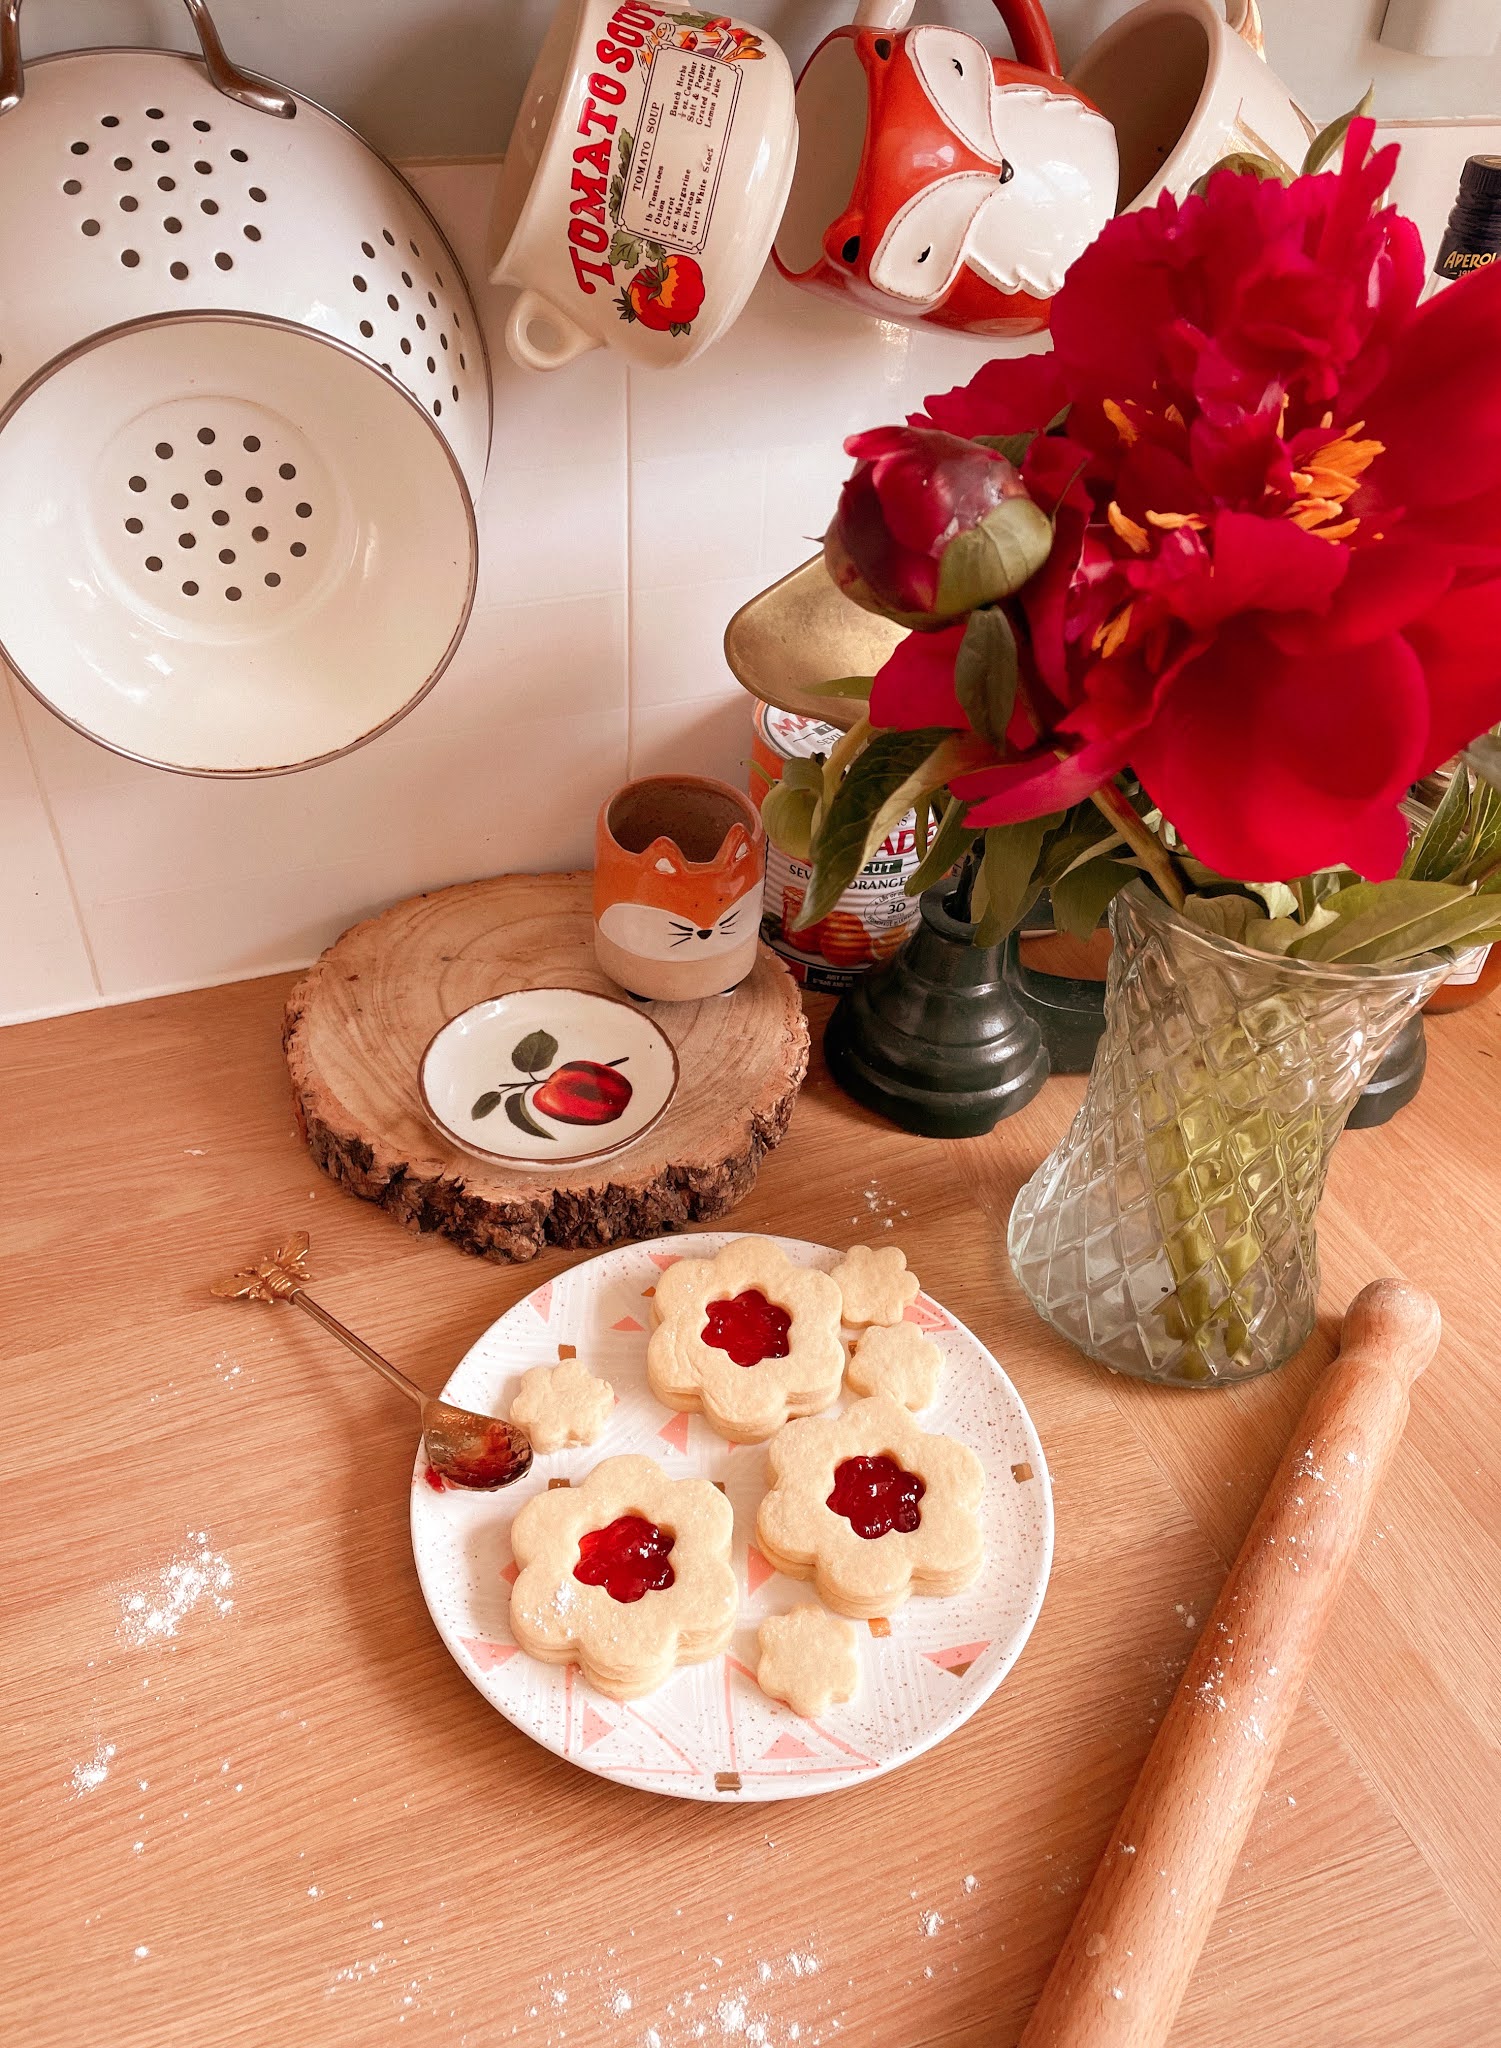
(1480, 181)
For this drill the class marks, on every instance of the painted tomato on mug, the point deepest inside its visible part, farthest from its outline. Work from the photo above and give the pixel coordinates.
(577, 1092)
(666, 294)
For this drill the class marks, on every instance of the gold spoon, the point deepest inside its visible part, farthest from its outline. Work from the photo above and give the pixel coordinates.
(468, 1449)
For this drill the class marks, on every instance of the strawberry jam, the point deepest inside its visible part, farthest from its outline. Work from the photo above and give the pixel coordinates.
(875, 1495)
(749, 1327)
(628, 1557)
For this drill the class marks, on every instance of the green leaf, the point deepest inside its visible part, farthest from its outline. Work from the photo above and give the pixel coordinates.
(944, 849)
(1007, 885)
(842, 686)
(788, 815)
(881, 786)
(516, 1110)
(1012, 446)
(1228, 917)
(1484, 756)
(1077, 837)
(534, 1052)
(1081, 897)
(1244, 160)
(624, 251)
(485, 1103)
(993, 559)
(985, 672)
(1380, 922)
(1328, 140)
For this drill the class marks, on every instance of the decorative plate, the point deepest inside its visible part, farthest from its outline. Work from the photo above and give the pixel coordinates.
(710, 1733)
(547, 1077)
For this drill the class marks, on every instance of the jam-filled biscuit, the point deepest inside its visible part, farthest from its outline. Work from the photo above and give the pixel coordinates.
(875, 1286)
(747, 1338)
(898, 1360)
(871, 1507)
(562, 1404)
(627, 1574)
(808, 1659)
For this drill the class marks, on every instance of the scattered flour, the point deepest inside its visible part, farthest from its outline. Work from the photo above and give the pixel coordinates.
(620, 2004)
(88, 1777)
(142, 1952)
(930, 1922)
(154, 1613)
(971, 1884)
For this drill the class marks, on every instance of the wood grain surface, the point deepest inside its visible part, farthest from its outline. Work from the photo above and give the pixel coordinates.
(250, 1800)
(360, 1019)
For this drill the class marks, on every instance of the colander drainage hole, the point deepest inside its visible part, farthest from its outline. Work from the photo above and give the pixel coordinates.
(72, 186)
(135, 526)
(153, 563)
(164, 451)
(239, 156)
(161, 147)
(128, 203)
(187, 540)
(190, 590)
(233, 594)
(138, 483)
(207, 436)
(91, 227)
(251, 444)
(123, 163)
(130, 258)
(273, 581)
(203, 127)
(220, 518)
(179, 270)
(179, 501)
(298, 548)
(214, 477)
(109, 120)
(286, 471)
(226, 554)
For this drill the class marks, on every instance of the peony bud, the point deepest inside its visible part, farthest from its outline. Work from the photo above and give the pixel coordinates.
(931, 525)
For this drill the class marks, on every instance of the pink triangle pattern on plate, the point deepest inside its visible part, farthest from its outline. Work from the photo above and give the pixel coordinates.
(540, 1299)
(488, 1656)
(757, 1569)
(927, 1314)
(957, 1660)
(785, 1749)
(596, 1727)
(628, 1323)
(676, 1433)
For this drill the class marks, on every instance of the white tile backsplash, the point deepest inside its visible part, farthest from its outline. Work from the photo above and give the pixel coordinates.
(625, 517)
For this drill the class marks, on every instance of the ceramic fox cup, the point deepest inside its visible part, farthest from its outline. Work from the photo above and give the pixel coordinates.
(642, 184)
(936, 183)
(678, 866)
(1184, 87)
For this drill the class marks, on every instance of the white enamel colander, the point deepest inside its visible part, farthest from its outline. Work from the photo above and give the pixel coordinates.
(155, 590)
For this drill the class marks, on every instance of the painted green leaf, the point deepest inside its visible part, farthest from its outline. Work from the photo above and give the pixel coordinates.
(485, 1103)
(625, 250)
(1326, 143)
(882, 784)
(535, 1051)
(985, 671)
(516, 1110)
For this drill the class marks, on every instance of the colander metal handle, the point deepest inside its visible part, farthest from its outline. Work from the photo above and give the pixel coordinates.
(257, 93)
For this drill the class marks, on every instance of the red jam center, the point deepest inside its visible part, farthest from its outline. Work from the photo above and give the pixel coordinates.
(875, 1495)
(628, 1557)
(749, 1327)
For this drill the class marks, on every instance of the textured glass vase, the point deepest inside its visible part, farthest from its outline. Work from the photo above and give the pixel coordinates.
(1171, 1234)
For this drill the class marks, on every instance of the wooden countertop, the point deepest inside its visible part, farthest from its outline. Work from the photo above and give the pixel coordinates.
(250, 1799)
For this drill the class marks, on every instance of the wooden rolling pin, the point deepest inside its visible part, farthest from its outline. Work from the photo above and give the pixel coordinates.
(1125, 1966)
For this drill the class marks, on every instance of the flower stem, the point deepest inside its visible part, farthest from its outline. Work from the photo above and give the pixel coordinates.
(1111, 801)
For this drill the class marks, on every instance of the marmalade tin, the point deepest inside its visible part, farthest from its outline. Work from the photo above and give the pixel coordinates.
(873, 916)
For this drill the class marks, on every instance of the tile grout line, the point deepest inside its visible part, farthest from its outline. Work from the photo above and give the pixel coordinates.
(45, 800)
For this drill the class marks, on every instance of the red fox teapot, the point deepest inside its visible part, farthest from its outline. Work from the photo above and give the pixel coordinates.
(937, 183)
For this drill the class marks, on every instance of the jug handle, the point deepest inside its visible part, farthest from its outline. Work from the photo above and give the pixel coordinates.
(1026, 23)
(256, 93)
(1244, 17)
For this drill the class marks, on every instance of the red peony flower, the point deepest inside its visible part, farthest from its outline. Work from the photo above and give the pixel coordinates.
(1276, 589)
(913, 495)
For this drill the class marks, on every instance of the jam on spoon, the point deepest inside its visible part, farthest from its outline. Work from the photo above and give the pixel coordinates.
(628, 1557)
(876, 1495)
(749, 1328)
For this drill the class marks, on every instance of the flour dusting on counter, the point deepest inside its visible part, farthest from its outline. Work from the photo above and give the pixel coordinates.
(87, 1777)
(154, 1612)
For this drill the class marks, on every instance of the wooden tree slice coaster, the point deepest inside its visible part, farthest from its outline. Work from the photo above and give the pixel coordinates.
(358, 1022)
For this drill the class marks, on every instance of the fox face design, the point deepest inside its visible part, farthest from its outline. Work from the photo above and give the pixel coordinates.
(686, 911)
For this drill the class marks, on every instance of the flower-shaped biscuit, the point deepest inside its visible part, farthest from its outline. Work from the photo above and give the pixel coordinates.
(627, 1574)
(895, 1359)
(871, 1508)
(747, 1338)
(875, 1286)
(562, 1404)
(808, 1659)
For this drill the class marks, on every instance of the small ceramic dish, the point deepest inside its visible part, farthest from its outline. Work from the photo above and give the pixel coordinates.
(547, 1078)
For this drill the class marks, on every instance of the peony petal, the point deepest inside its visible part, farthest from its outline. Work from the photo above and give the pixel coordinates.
(1438, 410)
(914, 687)
(1014, 790)
(1016, 395)
(1385, 588)
(1271, 766)
(1258, 565)
(1459, 644)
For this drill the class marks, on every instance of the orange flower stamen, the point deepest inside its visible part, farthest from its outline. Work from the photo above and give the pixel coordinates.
(1137, 539)
(1121, 421)
(1170, 522)
(1332, 475)
(1111, 633)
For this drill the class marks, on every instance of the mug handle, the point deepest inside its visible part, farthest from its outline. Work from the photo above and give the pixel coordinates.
(572, 339)
(1026, 24)
(1244, 18)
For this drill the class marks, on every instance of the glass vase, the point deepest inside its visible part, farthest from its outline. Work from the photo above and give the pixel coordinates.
(1171, 1234)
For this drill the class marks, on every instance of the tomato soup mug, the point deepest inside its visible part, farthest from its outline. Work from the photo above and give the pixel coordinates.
(643, 182)
(936, 183)
(679, 862)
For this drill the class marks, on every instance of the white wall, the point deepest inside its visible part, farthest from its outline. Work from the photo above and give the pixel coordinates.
(624, 520)
(441, 78)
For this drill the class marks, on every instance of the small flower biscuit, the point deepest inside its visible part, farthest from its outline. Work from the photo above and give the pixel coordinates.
(871, 1508)
(875, 1286)
(627, 1575)
(746, 1338)
(808, 1659)
(562, 1404)
(895, 1359)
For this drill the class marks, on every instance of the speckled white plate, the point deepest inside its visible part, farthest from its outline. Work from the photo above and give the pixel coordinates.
(710, 1733)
